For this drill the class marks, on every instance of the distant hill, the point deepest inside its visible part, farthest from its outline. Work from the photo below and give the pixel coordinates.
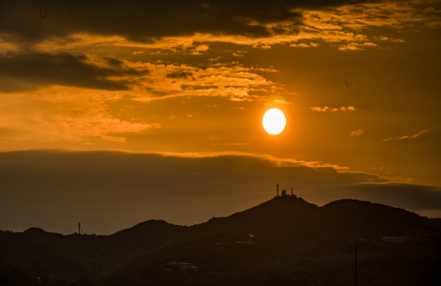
(286, 240)
(361, 219)
(76, 256)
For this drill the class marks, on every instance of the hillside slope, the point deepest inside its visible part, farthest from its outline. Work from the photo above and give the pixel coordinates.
(284, 229)
(297, 243)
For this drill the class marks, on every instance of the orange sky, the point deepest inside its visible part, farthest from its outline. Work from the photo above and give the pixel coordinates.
(358, 82)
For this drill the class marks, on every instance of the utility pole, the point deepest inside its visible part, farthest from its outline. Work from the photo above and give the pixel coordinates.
(79, 228)
(355, 263)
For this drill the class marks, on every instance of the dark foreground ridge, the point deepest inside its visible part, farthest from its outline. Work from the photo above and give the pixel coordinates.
(284, 241)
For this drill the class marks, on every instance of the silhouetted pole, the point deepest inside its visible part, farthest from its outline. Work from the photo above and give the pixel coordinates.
(277, 190)
(79, 228)
(355, 264)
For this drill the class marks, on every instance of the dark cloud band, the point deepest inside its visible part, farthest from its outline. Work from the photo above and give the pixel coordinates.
(27, 71)
(145, 21)
(132, 187)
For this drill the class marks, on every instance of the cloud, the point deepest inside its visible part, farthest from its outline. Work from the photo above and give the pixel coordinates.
(180, 74)
(28, 71)
(319, 109)
(143, 21)
(333, 109)
(144, 81)
(53, 101)
(281, 101)
(166, 24)
(66, 113)
(417, 135)
(113, 62)
(233, 81)
(407, 136)
(431, 10)
(305, 45)
(127, 188)
(356, 133)
(356, 46)
(200, 49)
(384, 38)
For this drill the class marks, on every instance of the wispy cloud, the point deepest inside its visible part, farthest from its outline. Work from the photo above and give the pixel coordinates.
(406, 136)
(142, 81)
(305, 45)
(281, 101)
(232, 80)
(388, 39)
(66, 113)
(356, 46)
(356, 133)
(332, 109)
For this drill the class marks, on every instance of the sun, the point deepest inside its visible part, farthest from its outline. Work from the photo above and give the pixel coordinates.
(274, 121)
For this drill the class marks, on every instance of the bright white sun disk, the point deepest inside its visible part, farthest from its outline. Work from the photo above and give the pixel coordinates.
(274, 121)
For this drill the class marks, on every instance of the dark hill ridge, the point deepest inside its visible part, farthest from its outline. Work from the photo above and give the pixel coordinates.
(296, 243)
(352, 219)
(355, 218)
(281, 223)
(72, 257)
(267, 218)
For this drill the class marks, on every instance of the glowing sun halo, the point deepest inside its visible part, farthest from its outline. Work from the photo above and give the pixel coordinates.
(274, 121)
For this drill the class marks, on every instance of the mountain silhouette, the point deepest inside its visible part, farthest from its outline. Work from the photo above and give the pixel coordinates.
(285, 240)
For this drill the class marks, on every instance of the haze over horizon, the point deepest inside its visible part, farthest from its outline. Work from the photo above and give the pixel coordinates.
(116, 114)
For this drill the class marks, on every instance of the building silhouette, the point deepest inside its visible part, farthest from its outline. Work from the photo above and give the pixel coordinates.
(284, 192)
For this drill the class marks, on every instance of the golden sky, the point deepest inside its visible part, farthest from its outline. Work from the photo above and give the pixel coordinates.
(173, 93)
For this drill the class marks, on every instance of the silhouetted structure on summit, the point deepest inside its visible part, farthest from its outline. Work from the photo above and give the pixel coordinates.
(284, 193)
(79, 228)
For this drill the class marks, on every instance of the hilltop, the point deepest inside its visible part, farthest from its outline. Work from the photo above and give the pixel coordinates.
(271, 239)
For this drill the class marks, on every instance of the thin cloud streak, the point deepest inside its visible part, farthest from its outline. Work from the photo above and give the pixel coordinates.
(406, 136)
(332, 109)
(356, 133)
